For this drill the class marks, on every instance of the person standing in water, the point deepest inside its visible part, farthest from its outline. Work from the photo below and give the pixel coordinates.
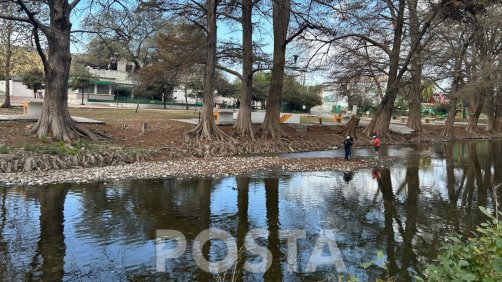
(376, 144)
(348, 146)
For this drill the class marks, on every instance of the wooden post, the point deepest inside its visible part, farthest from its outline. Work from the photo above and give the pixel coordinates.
(143, 128)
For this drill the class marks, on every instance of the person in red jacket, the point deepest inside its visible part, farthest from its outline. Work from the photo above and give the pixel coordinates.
(376, 144)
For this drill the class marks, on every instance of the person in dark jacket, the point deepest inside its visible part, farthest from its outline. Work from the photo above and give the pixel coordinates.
(349, 141)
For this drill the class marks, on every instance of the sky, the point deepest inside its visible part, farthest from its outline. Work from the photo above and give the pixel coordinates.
(227, 31)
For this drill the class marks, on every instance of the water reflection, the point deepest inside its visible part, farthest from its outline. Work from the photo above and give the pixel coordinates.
(107, 231)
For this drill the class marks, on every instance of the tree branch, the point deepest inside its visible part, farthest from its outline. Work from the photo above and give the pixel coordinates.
(297, 33)
(31, 17)
(73, 4)
(13, 18)
(230, 71)
(40, 51)
(384, 47)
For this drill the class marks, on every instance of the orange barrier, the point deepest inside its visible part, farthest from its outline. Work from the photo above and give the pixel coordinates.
(215, 116)
(25, 107)
(337, 119)
(285, 117)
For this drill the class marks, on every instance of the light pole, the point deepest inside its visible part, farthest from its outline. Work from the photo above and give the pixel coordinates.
(82, 96)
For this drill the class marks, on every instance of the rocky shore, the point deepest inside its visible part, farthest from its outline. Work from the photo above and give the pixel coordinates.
(190, 167)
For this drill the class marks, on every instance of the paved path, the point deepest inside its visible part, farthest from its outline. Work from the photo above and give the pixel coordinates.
(35, 118)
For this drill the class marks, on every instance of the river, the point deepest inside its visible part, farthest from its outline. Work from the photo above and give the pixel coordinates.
(108, 231)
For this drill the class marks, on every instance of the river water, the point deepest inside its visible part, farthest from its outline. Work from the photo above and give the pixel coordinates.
(108, 231)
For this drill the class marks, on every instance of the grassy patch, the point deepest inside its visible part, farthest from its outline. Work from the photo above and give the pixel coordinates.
(129, 115)
(4, 149)
(60, 148)
(307, 119)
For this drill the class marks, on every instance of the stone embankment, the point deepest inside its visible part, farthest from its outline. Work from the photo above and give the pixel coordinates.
(190, 167)
(26, 161)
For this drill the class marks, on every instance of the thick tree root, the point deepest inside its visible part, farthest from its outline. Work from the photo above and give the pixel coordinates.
(31, 162)
(68, 133)
(246, 146)
(271, 133)
(244, 130)
(207, 131)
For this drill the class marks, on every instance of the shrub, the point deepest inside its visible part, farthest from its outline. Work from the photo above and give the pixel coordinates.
(4, 149)
(473, 259)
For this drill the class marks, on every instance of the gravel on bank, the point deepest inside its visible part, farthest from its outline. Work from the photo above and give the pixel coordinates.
(191, 167)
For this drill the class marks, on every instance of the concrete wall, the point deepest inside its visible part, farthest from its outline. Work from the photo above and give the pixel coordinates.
(17, 89)
(141, 106)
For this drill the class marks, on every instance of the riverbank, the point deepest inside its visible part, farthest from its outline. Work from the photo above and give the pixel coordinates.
(133, 150)
(192, 167)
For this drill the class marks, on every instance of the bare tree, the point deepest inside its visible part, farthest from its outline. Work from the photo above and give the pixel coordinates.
(457, 81)
(12, 36)
(130, 30)
(55, 119)
(207, 129)
(415, 97)
(281, 13)
(243, 124)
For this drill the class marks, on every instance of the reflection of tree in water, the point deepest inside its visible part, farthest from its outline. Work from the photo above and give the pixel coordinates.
(48, 262)
(272, 205)
(243, 223)
(4, 256)
(404, 217)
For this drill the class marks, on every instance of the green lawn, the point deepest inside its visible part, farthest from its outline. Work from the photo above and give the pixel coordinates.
(125, 115)
(308, 119)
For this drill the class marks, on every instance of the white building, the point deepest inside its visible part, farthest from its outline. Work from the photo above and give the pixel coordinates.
(18, 91)
(111, 85)
(331, 99)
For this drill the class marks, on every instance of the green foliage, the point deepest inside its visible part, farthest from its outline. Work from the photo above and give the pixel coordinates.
(299, 95)
(4, 149)
(440, 110)
(224, 87)
(60, 148)
(261, 86)
(33, 79)
(472, 259)
(428, 91)
(80, 77)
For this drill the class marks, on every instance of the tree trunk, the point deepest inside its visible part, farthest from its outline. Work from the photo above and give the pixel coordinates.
(477, 97)
(243, 124)
(455, 87)
(380, 122)
(8, 57)
(6, 102)
(186, 99)
(55, 119)
(350, 128)
(475, 107)
(207, 129)
(271, 126)
(9, 30)
(452, 111)
(415, 100)
(490, 113)
(498, 114)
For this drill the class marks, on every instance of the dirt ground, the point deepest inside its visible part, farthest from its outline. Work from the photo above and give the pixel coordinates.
(124, 128)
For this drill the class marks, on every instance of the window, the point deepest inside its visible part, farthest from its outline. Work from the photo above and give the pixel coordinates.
(88, 89)
(103, 90)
